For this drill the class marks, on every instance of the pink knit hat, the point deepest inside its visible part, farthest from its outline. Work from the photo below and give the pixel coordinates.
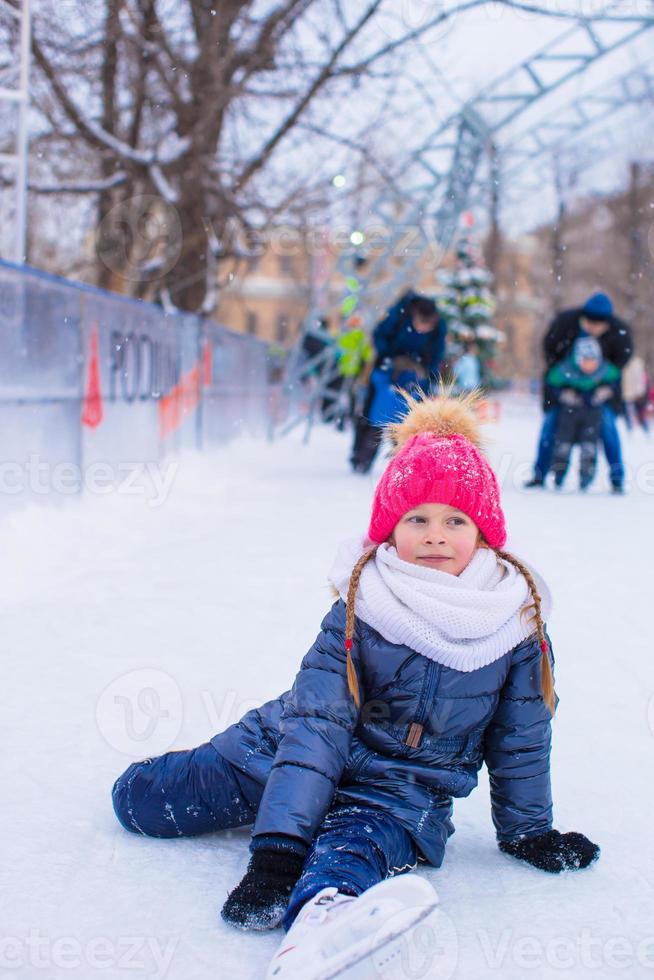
(437, 460)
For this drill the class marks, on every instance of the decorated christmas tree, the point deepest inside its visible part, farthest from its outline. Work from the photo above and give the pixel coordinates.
(469, 305)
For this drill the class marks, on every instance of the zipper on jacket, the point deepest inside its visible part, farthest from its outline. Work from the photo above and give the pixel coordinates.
(417, 726)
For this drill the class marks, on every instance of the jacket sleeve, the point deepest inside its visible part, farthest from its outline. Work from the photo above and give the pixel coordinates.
(622, 346)
(554, 383)
(316, 730)
(555, 377)
(613, 378)
(558, 339)
(438, 350)
(517, 750)
(384, 332)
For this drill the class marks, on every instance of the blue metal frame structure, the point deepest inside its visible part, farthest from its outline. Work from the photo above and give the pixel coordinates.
(441, 175)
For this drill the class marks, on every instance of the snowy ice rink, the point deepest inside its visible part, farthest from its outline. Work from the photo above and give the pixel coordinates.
(131, 629)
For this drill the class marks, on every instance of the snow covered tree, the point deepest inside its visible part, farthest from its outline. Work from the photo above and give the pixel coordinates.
(469, 305)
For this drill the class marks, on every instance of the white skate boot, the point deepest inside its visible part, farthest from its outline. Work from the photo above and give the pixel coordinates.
(364, 938)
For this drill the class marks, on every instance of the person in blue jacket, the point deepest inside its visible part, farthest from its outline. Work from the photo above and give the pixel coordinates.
(409, 347)
(433, 660)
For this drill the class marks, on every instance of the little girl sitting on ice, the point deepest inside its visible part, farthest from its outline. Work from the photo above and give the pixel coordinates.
(434, 660)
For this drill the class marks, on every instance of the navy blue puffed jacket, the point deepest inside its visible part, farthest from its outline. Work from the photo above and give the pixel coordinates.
(313, 747)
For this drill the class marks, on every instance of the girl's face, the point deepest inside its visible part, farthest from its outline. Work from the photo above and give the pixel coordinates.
(436, 536)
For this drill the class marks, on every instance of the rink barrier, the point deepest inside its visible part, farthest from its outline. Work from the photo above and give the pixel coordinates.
(90, 377)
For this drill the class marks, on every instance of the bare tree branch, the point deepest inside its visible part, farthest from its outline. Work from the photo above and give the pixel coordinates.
(147, 36)
(92, 131)
(195, 102)
(314, 88)
(79, 187)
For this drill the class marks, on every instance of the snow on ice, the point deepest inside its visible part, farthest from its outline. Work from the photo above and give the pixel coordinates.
(209, 601)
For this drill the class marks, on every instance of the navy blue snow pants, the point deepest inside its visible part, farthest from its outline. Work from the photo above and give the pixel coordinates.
(196, 791)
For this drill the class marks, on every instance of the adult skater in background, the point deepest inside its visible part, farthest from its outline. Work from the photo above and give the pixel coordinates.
(353, 352)
(594, 319)
(409, 347)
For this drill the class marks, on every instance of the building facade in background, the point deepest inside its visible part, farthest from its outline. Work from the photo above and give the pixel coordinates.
(268, 296)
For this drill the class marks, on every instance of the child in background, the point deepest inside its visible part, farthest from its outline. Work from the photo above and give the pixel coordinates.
(467, 369)
(433, 661)
(580, 385)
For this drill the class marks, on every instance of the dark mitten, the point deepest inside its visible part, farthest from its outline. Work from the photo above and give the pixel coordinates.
(260, 900)
(553, 851)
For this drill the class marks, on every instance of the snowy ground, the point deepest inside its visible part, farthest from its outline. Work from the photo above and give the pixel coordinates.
(131, 629)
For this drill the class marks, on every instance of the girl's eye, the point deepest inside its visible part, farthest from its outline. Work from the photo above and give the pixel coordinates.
(417, 520)
(456, 520)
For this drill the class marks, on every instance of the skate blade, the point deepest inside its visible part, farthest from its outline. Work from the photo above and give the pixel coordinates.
(376, 962)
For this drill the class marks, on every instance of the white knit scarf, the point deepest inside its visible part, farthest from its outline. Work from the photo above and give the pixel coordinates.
(462, 621)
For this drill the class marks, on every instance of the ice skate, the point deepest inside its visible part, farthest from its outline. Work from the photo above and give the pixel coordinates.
(337, 936)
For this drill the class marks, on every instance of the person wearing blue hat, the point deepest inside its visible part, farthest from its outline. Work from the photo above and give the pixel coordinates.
(597, 319)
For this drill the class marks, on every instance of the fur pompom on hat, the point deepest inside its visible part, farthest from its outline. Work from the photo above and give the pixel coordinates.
(437, 459)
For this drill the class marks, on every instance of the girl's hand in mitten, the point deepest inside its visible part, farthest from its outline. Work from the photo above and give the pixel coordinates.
(260, 900)
(553, 851)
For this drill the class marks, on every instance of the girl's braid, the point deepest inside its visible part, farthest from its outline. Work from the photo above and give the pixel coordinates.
(547, 680)
(352, 680)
